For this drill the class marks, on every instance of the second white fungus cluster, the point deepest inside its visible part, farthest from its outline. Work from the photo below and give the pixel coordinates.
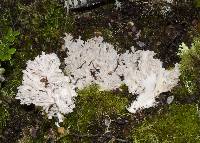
(92, 62)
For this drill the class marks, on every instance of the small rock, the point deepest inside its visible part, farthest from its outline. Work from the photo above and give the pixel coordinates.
(170, 99)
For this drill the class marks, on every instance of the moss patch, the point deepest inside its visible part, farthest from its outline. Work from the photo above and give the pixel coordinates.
(41, 23)
(4, 116)
(190, 67)
(179, 124)
(92, 107)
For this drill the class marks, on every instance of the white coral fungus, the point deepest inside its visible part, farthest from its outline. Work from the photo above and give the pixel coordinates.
(45, 85)
(95, 61)
(145, 76)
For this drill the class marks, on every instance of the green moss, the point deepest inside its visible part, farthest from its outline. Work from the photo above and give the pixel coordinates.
(10, 86)
(190, 66)
(179, 124)
(42, 22)
(181, 93)
(197, 3)
(6, 44)
(66, 139)
(14, 70)
(91, 106)
(4, 116)
(45, 21)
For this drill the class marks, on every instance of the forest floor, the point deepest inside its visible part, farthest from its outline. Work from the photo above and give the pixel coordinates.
(154, 25)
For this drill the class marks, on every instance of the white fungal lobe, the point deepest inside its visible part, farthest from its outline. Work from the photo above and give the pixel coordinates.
(93, 61)
(45, 85)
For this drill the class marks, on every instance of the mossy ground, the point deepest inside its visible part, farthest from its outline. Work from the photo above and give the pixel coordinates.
(92, 109)
(179, 123)
(4, 116)
(190, 67)
(42, 23)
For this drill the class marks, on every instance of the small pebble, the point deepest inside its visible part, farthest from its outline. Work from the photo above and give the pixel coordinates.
(170, 99)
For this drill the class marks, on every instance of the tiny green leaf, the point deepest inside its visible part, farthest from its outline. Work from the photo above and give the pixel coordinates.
(11, 51)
